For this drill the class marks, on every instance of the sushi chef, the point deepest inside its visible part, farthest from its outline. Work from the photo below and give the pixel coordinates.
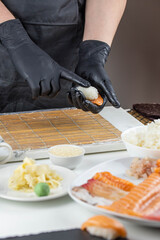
(42, 44)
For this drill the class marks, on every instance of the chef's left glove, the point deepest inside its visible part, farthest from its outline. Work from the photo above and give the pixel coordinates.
(93, 55)
(40, 71)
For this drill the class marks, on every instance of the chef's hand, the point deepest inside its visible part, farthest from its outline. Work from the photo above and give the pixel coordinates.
(92, 57)
(77, 99)
(40, 71)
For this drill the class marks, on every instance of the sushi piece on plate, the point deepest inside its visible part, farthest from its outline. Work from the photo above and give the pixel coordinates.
(105, 186)
(112, 180)
(92, 95)
(102, 226)
(143, 200)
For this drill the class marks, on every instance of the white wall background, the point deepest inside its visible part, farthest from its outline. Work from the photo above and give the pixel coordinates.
(134, 61)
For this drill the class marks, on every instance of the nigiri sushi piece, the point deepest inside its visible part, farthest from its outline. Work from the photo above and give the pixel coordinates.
(104, 190)
(143, 200)
(102, 226)
(112, 180)
(106, 186)
(92, 95)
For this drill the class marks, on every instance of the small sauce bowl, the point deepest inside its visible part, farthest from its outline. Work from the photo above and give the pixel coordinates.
(66, 155)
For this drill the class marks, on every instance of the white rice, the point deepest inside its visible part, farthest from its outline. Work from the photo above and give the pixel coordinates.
(90, 93)
(106, 233)
(84, 196)
(149, 137)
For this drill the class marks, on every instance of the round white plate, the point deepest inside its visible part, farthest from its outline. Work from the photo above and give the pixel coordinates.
(118, 168)
(6, 171)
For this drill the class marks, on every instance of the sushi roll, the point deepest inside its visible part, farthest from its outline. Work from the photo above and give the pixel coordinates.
(92, 95)
(102, 226)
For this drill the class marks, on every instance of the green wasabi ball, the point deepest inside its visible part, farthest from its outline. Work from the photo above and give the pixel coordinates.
(42, 189)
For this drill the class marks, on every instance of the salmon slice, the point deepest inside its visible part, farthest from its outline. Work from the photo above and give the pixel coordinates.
(101, 189)
(157, 170)
(155, 216)
(104, 222)
(98, 101)
(106, 186)
(107, 177)
(141, 200)
(152, 206)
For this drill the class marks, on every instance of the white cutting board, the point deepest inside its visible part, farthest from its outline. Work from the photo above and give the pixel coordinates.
(119, 118)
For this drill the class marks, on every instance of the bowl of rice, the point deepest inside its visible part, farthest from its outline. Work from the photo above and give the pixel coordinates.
(143, 141)
(66, 155)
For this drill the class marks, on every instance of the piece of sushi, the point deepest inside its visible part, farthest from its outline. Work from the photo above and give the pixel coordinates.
(102, 226)
(143, 200)
(108, 178)
(103, 185)
(92, 95)
(102, 189)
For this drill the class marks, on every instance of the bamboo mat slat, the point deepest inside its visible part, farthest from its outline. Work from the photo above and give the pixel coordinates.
(139, 117)
(38, 130)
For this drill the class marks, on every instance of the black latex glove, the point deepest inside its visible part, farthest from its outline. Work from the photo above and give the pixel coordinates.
(92, 57)
(78, 99)
(40, 71)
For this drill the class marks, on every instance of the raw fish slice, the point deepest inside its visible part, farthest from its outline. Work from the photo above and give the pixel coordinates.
(155, 216)
(141, 200)
(101, 189)
(158, 163)
(98, 101)
(108, 178)
(121, 210)
(157, 170)
(103, 226)
(106, 186)
(153, 206)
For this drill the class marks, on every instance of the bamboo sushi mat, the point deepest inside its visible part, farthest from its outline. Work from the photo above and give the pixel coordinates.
(38, 130)
(139, 117)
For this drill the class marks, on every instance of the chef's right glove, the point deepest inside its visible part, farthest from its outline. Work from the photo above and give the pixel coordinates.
(40, 71)
(93, 55)
(77, 99)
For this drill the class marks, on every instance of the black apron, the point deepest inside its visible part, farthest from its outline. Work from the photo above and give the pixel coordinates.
(57, 28)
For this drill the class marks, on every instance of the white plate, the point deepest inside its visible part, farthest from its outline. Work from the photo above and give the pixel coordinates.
(5, 192)
(118, 168)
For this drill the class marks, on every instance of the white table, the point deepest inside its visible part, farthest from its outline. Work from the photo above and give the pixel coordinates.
(18, 218)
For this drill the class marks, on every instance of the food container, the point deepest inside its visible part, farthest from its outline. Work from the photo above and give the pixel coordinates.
(66, 155)
(137, 151)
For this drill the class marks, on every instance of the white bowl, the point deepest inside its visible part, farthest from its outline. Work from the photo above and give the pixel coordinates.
(136, 151)
(70, 162)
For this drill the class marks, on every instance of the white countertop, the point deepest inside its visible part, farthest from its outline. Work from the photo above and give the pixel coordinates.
(19, 218)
